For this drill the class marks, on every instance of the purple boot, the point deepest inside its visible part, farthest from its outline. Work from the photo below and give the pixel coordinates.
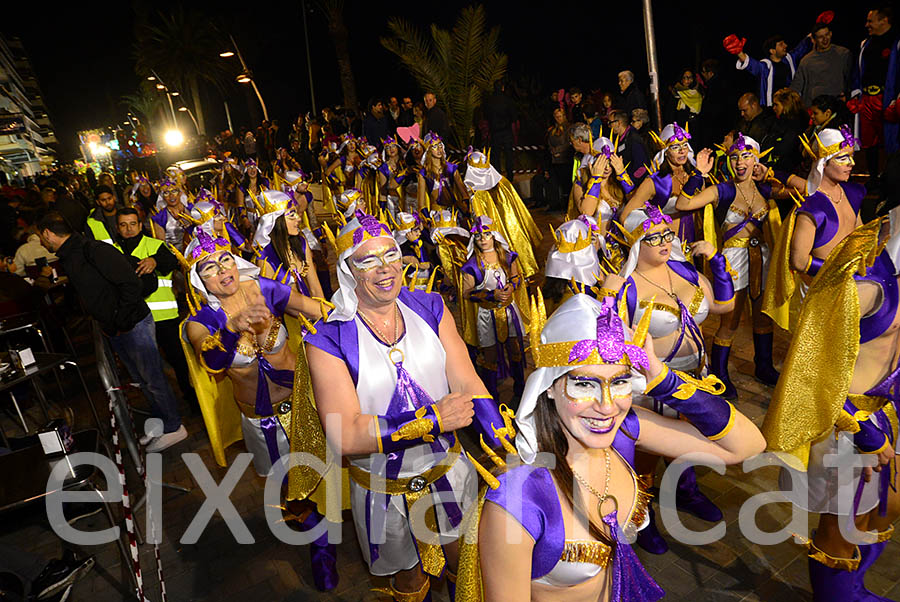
(689, 498)
(718, 365)
(868, 554)
(650, 538)
(322, 555)
(762, 356)
(832, 579)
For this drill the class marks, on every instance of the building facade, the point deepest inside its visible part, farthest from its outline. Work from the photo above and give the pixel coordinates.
(27, 138)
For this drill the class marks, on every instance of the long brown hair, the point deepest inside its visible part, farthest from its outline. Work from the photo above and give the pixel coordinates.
(502, 256)
(282, 241)
(551, 438)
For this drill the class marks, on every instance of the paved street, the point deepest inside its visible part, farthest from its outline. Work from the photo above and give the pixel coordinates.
(216, 568)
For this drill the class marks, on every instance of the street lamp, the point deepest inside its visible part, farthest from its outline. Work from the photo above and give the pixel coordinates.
(162, 86)
(245, 76)
(150, 78)
(174, 93)
(184, 109)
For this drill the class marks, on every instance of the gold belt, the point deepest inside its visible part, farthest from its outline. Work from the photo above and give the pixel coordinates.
(407, 485)
(412, 489)
(742, 243)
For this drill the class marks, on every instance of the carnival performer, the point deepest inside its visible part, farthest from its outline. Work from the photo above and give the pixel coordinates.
(390, 363)
(252, 184)
(746, 209)
(391, 177)
(603, 195)
(209, 214)
(495, 196)
(837, 398)
(417, 253)
(672, 171)
(572, 264)
(236, 330)
(143, 197)
(550, 534)
(451, 245)
(229, 193)
(367, 178)
(296, 184)
(169, 225)
(439, 183)
(284, 250)
(828, 213)
(491, 286)
(657, 279)
(346, 167)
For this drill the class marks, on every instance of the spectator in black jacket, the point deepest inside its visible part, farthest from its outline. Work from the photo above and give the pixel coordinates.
(500, 112)
(630, 96)
(111, 293)
(376, 126)
(757, 121)
(435, 119)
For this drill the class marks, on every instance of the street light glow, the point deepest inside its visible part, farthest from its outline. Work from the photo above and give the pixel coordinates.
(226, 54)
(174, 138)
(174, 93)
(150, 78)
(244, 78)
(160, 87)
(182, 109)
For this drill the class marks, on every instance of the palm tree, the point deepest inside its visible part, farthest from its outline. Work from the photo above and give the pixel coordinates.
(334, 16)
(144, 101)
(459, 66)
(183, 49)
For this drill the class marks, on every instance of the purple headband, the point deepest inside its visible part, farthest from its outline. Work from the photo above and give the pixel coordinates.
(739, 144)
(849, 138)
(368, 225)
(207, 244)
(167, 183)
(655, 217)
(250, 163)
(610, 340)
(678, 133)
(480, 226)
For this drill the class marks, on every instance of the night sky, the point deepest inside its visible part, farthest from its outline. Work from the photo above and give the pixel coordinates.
(82, 53)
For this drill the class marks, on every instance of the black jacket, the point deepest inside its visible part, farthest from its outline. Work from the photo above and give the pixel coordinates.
(436, 121)
(631, 99)
(105, 282)
(500, 112)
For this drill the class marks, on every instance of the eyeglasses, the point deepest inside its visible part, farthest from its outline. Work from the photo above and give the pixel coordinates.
(655, 240)
(376, 260)
(212, 268)
(583, 389)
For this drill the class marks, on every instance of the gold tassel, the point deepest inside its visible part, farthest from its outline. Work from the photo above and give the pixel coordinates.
(489, 479)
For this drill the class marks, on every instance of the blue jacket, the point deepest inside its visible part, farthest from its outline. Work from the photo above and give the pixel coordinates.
(763, 69)
(891, 130)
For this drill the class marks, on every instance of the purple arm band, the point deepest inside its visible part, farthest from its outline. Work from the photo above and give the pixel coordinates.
(236, 237)
(694, 183)
(596, 184)
(723, 285)
(487, 418)
(815, 264)
(869, 439)
(711, 414)
(219, 358)
(781, 176)
(625, 181)
(482, 295)
(406, 429)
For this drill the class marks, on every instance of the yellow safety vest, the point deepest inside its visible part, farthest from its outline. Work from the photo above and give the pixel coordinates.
(98, 229)
(162, 301)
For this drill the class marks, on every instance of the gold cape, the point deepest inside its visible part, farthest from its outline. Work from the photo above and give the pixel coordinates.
(819, 365)
(503, 205)
(223, 420)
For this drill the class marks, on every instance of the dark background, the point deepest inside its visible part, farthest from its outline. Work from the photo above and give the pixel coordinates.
(83, 52)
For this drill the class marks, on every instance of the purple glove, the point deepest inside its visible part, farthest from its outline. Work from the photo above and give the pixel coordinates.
(723, 285)
(407, 429)
(696, 400)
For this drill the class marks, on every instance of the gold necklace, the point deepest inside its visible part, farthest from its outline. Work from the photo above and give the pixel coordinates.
(830, 198)
(390, 342)
(670, 292)
(601, 497)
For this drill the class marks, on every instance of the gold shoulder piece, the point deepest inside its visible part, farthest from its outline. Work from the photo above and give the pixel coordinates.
(489, 479)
